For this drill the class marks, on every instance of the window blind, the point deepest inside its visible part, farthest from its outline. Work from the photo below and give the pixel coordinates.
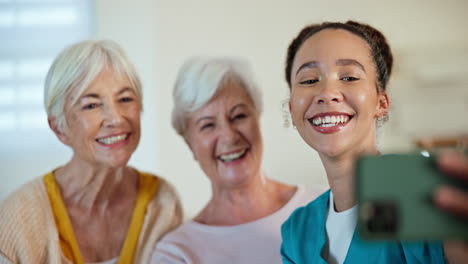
(32, 33)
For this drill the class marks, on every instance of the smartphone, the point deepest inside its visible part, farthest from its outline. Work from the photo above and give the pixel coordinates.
(395, 197)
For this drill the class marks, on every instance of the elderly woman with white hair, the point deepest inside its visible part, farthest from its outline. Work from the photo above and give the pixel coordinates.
(217, 109)
(95, 208)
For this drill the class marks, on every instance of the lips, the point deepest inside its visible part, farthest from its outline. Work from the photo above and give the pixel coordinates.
(114, 139)
(233, 156)
(330, 122)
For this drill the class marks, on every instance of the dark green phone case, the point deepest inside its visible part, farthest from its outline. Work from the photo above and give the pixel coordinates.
(394, 193)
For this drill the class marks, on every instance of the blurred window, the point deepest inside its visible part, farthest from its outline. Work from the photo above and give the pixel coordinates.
(32, 33)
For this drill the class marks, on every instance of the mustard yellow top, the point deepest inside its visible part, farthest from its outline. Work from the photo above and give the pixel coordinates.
(148, 186)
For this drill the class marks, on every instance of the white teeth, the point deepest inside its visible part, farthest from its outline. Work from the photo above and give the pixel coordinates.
(317, 121)
(328, 121)
(232, 156)
(112, 140)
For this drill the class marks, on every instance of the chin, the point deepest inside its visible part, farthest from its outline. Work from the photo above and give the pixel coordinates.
(330, 150)
(237, 177)
(117, 162)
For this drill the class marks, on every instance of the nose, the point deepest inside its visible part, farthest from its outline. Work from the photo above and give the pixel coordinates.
(112, 115)
(329, 93)
(228, 133)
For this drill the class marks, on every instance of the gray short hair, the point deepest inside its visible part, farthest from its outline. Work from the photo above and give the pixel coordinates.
(77, 66)
(200, 78)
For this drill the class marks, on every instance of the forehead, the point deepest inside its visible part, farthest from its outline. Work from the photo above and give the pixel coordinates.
(230, 94)
(329, 45)
(108, 81)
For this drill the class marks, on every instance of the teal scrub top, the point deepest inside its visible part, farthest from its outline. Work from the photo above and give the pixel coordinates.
(304, 237)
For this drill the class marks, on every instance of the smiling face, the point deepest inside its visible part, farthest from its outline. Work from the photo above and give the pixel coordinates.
(334, 100)
(224, 136)
(103, 126)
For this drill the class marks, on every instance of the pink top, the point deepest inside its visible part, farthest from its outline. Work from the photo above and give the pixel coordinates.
(254, 242)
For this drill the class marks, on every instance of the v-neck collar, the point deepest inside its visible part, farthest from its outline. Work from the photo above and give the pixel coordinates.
(147, 188)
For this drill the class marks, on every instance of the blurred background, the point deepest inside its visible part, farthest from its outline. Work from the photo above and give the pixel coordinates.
(428, 89)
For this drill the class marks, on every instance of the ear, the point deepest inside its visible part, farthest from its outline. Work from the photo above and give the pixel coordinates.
(383, 104)
(58, 130)
(290, 108)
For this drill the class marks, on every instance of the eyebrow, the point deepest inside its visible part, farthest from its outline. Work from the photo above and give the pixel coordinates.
(203, 118)
(346, 62)
(340, 62)
(92, 95)
(126, 89)
(308, 65)
(211, 117)
(237, 106)
(95, 95)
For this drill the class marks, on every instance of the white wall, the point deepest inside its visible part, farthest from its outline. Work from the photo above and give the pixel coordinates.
(160, 35)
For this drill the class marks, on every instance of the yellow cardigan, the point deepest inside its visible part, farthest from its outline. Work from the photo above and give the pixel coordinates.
(28, 233)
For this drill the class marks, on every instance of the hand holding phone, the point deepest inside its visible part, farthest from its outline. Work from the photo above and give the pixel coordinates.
(396, 198)
(449, 198)
(454, 201)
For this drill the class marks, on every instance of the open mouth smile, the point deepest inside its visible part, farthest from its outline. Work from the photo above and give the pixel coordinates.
(330, 122)
(233, 156)
(113, 139)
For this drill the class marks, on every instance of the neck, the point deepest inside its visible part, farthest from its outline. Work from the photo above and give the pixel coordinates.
(340, 174)
(239, 205)
(93, 187)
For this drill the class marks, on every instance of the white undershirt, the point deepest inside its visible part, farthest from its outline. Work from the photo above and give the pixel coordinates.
(339, 228)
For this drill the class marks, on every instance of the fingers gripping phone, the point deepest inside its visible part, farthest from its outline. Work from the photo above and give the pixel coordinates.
(394, 193)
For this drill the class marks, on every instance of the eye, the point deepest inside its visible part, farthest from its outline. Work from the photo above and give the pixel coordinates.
(206, 126)
(126, 99)
(309, 82)
(240, 116)
(90, 106)
(349, 79)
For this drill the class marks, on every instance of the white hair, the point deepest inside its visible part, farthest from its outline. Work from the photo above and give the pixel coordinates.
(200, 78)
(76, 67)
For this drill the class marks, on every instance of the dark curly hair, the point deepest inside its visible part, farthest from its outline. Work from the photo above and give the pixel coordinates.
(380, 50)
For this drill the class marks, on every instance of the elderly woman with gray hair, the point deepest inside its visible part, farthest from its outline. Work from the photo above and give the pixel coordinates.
(217, 110)
(95, 208)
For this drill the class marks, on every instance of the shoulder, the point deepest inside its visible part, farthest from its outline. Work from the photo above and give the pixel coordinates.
(176, 246)
(166, 191)
(163, 214)
(302, 214)
(186, 232)
(300, 220)
(25, 219)
(306, 194)
(29, 198)
(303, 195)
(165, 207)
(304, 229)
